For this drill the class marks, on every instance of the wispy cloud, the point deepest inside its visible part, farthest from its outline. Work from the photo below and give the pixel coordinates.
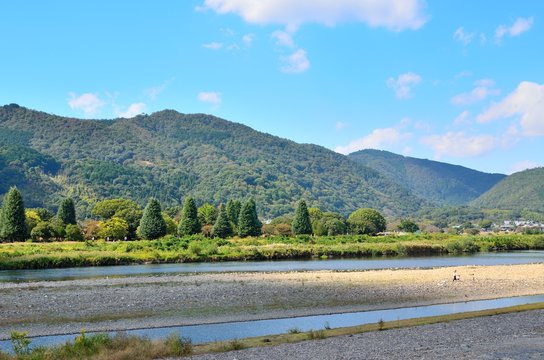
(131, 111)
(526, 102)
(463, 36)
(340, 125)
(296, 63)
(213, 45)
(247, 39)
(154, 91)
(482, 90)
(89, 103)
(520, 26)
(283, 38)
(403, 84)
(392, 14)
(210, 97)
(462, 119)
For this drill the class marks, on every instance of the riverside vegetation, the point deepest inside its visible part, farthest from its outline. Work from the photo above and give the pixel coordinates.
(195, 248)
(232, 232)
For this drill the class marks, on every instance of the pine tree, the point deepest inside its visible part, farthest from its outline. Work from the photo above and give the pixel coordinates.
(233, 211)
(248, 222)
(13, 224)
(67, 212)
(189, 224)
(301, 223)
(222, 227)
(152, 224)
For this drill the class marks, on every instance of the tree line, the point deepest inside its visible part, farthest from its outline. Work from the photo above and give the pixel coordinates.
(123, 219)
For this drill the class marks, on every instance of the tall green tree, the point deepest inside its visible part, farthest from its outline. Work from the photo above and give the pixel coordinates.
(152, 224)
(366, 221)
(248, 221)
(189, 224)
(67, 212)
(207, 214)
(301, 224)
(233, 211)
(13, 224)
(222, 227)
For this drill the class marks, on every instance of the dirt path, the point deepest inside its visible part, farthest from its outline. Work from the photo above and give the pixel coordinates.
(58, 307)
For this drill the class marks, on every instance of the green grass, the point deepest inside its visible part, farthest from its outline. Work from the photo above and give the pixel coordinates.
(101, 347)
(28, 255)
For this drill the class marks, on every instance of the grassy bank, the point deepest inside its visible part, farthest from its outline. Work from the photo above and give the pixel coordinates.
(28, 255)
(120, 346)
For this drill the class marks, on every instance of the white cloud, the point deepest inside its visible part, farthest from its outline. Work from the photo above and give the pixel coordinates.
(462, 119)
(89, 103)
(131, 111)
(403, 84)
(295, 63)
(395, 15)
(213, 45)
(457, 144)
(377, 139)
(247, 39)
(462, 36)
(522, 165)
(483, 89)
(463, 74)
(527, 102)
(210, 97)
(283, 38)
(520, 26)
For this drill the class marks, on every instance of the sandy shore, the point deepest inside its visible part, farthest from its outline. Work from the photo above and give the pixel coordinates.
(59, 307)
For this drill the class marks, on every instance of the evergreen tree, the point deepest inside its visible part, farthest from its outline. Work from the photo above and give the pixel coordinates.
(67, 212)
(13, 224)
(301, 223)
(152, 225)
(189, 224)
(222, 227)
(248, 222)
(233, 211)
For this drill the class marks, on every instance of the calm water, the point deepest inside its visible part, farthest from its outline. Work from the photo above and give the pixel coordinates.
(238, 330)
(502, 258)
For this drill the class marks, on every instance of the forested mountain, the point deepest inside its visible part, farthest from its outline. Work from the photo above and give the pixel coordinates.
(520, 191)
(168, 155)
(440, 183)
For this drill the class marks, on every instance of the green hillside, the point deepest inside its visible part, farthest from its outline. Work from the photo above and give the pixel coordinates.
(520, 191)
(169, 155)
(440, 183)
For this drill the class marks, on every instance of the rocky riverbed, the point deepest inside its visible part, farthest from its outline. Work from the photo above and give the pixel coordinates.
(60, 307)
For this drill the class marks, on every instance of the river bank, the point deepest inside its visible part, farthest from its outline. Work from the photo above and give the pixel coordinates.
(505, 336)
(58, 307)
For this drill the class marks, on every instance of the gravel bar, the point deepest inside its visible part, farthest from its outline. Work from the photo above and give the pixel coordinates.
(508, 336)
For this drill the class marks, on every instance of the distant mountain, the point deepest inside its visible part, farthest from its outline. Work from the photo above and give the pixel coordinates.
(437, 182)
(520, 191)
(169, 156)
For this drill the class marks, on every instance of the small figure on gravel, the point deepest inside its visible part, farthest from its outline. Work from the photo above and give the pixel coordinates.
(456, 276)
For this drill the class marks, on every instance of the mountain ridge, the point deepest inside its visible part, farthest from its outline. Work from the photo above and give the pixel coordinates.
(169, 155)
(440, 183)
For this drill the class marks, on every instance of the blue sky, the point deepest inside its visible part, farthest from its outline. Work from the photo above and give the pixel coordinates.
(452, 80)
